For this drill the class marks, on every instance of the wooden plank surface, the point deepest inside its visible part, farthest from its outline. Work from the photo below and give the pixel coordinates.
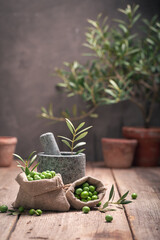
(75, 224)
(144, 212)
(140, 220)
(8, 191)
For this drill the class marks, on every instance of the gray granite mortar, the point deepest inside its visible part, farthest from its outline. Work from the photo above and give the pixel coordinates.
(70, 166)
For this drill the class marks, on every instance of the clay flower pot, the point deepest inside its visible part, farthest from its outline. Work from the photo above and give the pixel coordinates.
(118, 153)
(7, 148)
(70, 166)
(148, 149)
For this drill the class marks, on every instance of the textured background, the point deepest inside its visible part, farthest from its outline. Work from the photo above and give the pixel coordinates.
(36, 37)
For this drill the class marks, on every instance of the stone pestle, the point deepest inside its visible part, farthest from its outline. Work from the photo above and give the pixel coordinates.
(49, 144)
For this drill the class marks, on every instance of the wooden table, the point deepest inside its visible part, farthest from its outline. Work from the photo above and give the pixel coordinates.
(139, 220)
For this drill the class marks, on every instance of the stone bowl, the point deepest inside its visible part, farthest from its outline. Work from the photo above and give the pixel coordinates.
(70, 166)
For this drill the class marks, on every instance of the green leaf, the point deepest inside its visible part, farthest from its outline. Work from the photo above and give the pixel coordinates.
(106, 210)
(32, 160)
(65, 138)
(15, 213)
(94, 23)
(110, 92)
(85, 129)
(31, 154)
(114, 84)
(64, 114)
(71, 94)
(123, 197)
(111, 193)
(150, 41)
(19, 163)
(133, 51)
(27, 171)
(62, 85)
(50, 110)
(125, 30)
(67, 143)
(105, 205)
(125, 202)
(79, 144)
(21, 167)
(80, 126)
(11, 210)
(82, 135)
(94, 115)
(16, 155)
(82, 150)
(70, 125)
(74, 110)
(35, 167)
(44, 110)
(136, 19)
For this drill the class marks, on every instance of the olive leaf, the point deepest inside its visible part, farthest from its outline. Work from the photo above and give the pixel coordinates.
(79, 151)
(70, 125)
(35, 167)
(65, 138)
(16, 155)
(84, 130)
(31, 155)
(107, 210)
(67, 143)
(80, 126)
(79, 144)
(123, 197)
(125, 201)
(81, 136)
(32, 160)
(111, 193)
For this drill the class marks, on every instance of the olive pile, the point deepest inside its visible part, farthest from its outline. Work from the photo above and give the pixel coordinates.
(38, 176)
(86, 192)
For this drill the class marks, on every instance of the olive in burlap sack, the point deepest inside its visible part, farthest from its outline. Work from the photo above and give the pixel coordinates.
(75, 202)
(46, 194)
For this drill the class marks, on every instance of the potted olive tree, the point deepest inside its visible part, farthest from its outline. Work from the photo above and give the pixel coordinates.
(124, 65)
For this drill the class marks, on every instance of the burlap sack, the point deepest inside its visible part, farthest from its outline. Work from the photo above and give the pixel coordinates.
(75, 202)
(45, 194)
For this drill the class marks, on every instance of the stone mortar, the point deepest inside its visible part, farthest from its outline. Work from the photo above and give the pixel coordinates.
(70, 166)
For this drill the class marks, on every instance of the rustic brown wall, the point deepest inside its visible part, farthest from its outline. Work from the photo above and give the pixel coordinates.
(36, 37)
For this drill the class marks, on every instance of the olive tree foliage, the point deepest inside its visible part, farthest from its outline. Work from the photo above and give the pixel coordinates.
(125, 64)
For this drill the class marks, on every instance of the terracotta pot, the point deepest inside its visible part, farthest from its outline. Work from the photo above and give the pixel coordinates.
(148, 149)
(118, 153)
(7, 148)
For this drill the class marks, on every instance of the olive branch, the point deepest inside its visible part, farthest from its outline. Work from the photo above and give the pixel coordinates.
(122, 201)
(77, 134)
(28, 163)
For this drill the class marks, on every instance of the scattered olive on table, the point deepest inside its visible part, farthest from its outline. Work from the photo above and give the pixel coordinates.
(21, 209)
(85, 209)
(37, 212)
(134, 195)
(108, 218)
(3, 208)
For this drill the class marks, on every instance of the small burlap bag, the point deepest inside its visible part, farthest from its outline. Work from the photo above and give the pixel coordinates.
(45, 194)
(75, 202)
